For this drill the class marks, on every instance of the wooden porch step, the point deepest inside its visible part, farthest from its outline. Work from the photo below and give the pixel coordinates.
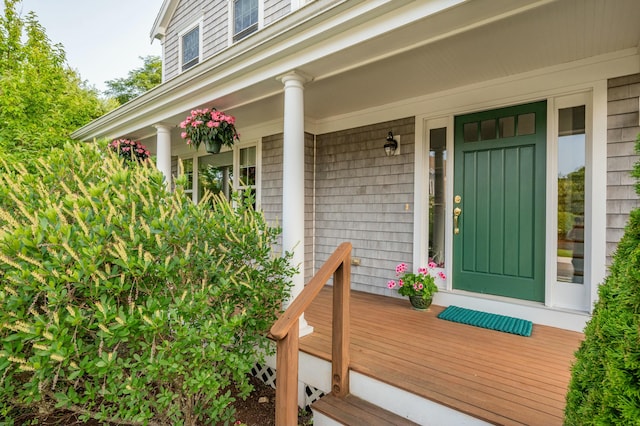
(353, 411)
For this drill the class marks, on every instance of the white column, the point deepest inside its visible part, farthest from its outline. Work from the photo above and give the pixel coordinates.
(163, 151)
(293, 181)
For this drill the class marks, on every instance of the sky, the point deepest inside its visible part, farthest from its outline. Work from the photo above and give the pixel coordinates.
(103, 39)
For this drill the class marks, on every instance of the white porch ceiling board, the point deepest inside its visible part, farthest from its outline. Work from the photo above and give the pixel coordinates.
(551, 34)
(389, 57)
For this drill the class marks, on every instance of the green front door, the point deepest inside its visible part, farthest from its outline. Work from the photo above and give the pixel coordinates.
(499, 202)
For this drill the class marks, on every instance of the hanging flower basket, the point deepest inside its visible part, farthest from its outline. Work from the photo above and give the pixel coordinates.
(211, 127)
(212, 147)
(129, 150)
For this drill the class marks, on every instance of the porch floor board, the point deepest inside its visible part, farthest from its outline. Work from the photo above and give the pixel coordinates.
(498, 377)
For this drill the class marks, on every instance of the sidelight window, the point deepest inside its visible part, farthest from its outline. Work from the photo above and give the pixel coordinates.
(571, 194)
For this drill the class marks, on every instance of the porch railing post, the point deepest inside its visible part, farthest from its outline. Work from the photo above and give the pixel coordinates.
(341, 327)
(287, 378)
(286, 332)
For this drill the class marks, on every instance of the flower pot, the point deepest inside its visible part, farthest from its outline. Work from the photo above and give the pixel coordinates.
(419, 303)
(213, 147)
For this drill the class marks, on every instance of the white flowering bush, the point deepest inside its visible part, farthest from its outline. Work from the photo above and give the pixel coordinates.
(126, 303)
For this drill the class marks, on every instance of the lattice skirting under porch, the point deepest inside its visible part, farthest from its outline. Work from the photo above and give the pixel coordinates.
(268, 376)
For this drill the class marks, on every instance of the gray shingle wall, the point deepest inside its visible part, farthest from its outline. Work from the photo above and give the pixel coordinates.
(275, 9)
(366, 198)
(271, 199)
(215, 29)
(309, 194)
(271, 189)
(174, 171)
(622, 131)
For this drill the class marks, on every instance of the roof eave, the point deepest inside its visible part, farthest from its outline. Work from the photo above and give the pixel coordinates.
(165, 13)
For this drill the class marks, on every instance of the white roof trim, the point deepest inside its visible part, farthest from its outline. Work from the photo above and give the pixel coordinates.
(161, 23)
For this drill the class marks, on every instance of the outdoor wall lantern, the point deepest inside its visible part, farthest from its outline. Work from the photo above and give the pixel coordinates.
(392, 145)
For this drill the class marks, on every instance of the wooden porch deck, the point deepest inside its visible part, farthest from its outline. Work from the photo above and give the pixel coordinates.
(498, 377)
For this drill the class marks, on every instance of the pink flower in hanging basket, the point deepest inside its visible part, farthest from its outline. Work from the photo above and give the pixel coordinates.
(209, 125)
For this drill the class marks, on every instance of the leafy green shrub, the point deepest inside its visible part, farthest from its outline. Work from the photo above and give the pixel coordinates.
(605, 383)
(124, 302)
(565, 223)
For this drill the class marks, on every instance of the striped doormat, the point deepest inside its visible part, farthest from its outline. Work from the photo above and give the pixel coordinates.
(487, 320)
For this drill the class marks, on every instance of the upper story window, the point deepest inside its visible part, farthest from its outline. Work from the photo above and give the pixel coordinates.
(190, 47)
(245, 18)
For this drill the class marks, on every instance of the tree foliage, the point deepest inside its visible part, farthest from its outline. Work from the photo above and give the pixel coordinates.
(124, 302)
(42, 100)
(139, 80)
(605, 383)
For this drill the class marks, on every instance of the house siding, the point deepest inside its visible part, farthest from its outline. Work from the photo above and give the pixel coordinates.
(275, 9)
(366, 198)
(214, 30)
(309, 204)
(622, 130)
(215, 27)
(271, 190)
(174, 170)
(271, 180)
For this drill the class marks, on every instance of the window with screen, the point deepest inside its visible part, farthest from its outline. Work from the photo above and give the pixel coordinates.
(245, 18)
(190, 46)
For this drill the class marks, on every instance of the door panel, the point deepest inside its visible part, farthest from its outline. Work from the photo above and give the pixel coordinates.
(500, 177)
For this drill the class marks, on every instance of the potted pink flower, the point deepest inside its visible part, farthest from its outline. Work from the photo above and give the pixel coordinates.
(211, 127)
(419, 287)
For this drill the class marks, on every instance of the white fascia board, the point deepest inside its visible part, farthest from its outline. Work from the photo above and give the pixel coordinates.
(311, 33)
(162, 19)
(236, 60)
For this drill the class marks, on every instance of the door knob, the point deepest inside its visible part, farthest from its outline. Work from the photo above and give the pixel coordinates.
(456, 213)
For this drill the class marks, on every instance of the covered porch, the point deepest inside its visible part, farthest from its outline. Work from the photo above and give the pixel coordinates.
(491, 376)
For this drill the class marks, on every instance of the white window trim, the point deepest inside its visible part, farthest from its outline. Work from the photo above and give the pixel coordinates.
(573, 296)
(199, 24)
(558, 295)
(421, 202)
(297, 4)
(230, 21)
(236, 167)
(194, 168)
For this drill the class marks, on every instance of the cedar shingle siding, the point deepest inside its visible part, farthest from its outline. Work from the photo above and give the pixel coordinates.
(362, 197)
(623, 128)
(215, 28)
(275, 9)
(271, 189)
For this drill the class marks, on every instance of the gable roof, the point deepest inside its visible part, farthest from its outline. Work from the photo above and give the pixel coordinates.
(167, 10)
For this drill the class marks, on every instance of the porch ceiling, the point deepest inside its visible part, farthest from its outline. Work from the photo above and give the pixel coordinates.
(383, 56)
(433, 57)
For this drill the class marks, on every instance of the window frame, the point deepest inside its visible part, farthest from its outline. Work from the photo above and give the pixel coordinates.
(246, 32)
(561, 294)
(235, 183)
(198, 24)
